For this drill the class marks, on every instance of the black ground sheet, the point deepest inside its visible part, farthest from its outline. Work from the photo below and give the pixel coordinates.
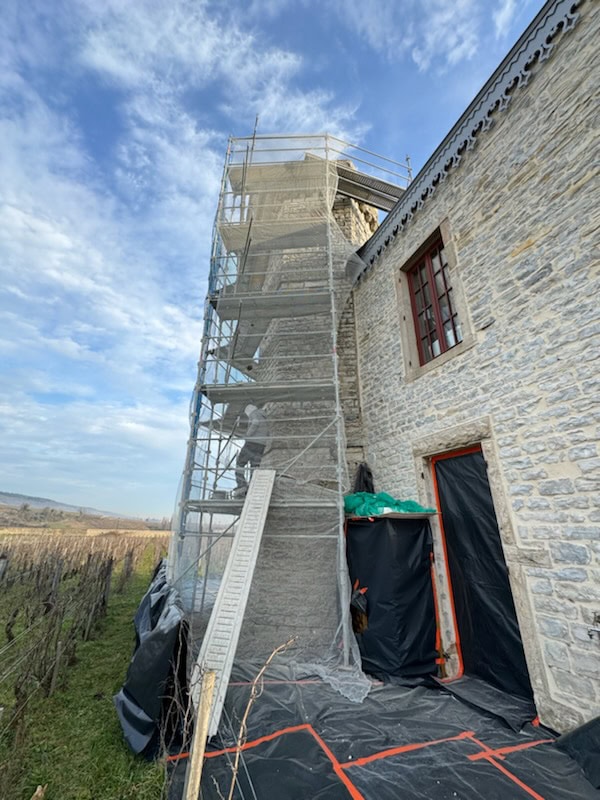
(307, 742)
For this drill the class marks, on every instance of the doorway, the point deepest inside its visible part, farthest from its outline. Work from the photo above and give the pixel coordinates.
(488, 636)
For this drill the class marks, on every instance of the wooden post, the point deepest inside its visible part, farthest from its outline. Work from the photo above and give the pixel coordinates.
(90, 622)
(107, 582)
(56, 580)
(196, 759)
(55, 671)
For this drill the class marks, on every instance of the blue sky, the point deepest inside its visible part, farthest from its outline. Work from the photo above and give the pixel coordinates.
(114, 118)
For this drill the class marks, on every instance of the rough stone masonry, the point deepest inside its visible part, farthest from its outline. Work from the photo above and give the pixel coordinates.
(520, 223)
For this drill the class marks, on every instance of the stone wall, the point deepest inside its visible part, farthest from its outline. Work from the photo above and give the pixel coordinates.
(357, 221)
(520, 222)
(295, 588)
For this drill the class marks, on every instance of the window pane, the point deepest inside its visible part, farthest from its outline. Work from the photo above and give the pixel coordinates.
(426, 350)
(422, 325)
(439, 283)
(435, 261)
(419, 300)
(443, 256)
(430, 319)
(445, 309)
(427, 294)
(422, 274)
(449, 334)
(435, 347)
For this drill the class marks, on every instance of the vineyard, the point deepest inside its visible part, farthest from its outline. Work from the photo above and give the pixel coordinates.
(55, 592)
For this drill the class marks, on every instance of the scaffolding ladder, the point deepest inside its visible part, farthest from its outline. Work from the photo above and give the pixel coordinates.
(221, 638)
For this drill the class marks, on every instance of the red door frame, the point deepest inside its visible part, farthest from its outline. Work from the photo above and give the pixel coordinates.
(441, 457)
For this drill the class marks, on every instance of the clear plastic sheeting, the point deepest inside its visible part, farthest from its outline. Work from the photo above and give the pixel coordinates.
(292, 212)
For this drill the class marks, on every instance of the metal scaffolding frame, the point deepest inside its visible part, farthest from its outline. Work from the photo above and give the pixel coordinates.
(279, 280)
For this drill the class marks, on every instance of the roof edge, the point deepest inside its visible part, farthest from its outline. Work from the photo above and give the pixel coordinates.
(514, 72)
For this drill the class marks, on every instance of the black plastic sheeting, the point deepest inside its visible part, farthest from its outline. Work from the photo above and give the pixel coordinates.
(305, 741)
(515, 711)
(157, 670)
(391, 559)
(363, 479)
(583, 744)
(490, 639)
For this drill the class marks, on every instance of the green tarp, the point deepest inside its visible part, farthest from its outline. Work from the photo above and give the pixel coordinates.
(365, 504)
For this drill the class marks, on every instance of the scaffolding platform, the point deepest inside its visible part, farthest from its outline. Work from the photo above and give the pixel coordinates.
(261, 393)
(231, 306)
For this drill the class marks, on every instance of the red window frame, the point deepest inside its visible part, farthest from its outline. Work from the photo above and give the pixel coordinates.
(437, 327)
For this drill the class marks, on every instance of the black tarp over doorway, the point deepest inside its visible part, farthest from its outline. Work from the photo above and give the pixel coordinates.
(390, 559)
(490, 640)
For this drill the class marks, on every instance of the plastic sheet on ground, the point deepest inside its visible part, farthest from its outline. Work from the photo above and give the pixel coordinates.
(583, 744)
(511, 708)
(306, 741)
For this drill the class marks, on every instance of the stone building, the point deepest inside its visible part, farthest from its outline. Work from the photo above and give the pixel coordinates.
(503, 356)
(455, 351)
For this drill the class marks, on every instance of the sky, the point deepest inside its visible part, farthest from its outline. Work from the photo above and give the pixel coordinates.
(114, 119)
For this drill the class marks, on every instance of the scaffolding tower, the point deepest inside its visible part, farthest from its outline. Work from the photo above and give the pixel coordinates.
(292, 212)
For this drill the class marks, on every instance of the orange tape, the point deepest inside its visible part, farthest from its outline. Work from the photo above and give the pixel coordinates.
(256, 742)
(502, 751)
(337, 767)
(178, 757)
(488, 755)
(405, 748)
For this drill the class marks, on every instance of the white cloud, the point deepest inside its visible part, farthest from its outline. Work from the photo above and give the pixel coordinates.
(437, 33)
(160, 49)
(503, 17)
(103, 260)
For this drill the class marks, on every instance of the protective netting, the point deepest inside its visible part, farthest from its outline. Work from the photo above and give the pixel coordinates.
(268, 395)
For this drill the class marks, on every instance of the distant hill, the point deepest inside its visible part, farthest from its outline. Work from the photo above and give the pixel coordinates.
(11, 499)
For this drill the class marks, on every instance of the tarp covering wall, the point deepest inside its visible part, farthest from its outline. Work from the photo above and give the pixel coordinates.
(490, 640)
(390, 560)
(156, 677)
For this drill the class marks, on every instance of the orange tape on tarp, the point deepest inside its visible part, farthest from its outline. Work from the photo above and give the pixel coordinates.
(405, 748)
(337, 767)
(502, 751)
(489, 756)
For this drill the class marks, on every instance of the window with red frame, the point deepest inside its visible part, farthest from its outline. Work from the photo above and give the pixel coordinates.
(436, 323)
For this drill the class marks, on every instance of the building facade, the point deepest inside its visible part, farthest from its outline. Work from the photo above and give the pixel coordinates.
(503, 355)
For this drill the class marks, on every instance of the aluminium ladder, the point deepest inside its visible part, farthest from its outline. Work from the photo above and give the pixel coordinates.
(222, 634)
